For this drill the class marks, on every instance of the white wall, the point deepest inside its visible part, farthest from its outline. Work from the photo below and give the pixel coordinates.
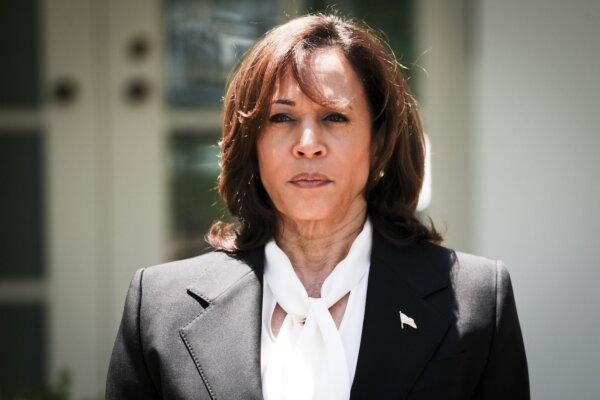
(536, 120)
(442, 45)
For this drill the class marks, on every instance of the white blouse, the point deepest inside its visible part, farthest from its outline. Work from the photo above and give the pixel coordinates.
(350, 327)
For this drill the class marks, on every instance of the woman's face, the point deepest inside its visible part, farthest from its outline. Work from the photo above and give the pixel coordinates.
(331, 147)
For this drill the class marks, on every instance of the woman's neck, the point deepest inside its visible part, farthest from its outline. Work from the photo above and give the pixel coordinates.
(316, 247)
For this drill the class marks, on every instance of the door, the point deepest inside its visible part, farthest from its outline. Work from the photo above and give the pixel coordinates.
(109, 122)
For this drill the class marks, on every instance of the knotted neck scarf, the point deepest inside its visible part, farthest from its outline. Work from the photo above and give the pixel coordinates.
(308, 360)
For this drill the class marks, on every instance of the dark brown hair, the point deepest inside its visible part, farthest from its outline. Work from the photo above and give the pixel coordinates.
(398, 168)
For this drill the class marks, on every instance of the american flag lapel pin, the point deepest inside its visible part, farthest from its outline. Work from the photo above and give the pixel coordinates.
(405, 319)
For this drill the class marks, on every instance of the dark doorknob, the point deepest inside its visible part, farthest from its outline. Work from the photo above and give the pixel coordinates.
(138, 47)
(65, 90)
(137, 90)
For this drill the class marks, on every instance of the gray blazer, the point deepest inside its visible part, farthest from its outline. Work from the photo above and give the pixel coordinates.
(191, 329)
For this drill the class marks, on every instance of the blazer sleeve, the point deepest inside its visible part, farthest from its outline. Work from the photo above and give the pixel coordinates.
(506, 374)
(128, 376)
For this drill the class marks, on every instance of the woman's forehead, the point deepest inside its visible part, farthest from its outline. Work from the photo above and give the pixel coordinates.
(329, 73)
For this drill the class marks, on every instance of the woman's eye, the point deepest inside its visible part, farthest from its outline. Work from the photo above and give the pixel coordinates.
(277, 118)
(337, 118)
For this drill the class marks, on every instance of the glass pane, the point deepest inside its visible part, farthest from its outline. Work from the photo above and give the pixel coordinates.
(21, 205)
(195, 202)
(392, 17)
(19, 45)
(22, 364)
(205, 39)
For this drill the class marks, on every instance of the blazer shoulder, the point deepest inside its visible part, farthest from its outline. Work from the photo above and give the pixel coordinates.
(467, 271)
(452, 260)
(206, 275)
(169, 292)
(468, 259)
(481, 276)
(474, 260)
(186, 268)
(478, 267)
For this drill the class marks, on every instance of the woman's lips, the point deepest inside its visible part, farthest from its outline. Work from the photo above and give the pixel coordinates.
(308, 184)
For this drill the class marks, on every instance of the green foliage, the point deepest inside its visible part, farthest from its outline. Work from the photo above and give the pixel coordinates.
(59, 391)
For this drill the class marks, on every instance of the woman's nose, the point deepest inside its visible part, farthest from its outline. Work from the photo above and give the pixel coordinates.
(309, 143)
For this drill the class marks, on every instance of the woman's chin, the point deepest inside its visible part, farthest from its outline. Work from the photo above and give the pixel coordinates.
(311, 214)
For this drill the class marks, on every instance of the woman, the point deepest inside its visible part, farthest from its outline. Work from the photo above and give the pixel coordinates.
(328, 286)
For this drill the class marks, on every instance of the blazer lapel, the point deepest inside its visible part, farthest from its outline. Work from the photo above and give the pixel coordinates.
(391, 358)
(224, 340)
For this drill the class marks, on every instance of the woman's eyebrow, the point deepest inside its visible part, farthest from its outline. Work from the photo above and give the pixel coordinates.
(340, 102)
(287, 102)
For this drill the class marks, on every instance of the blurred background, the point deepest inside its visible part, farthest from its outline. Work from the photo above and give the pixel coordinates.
(109, 118)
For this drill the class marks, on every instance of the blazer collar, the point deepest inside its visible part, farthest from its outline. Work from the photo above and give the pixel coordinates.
(224, 340)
